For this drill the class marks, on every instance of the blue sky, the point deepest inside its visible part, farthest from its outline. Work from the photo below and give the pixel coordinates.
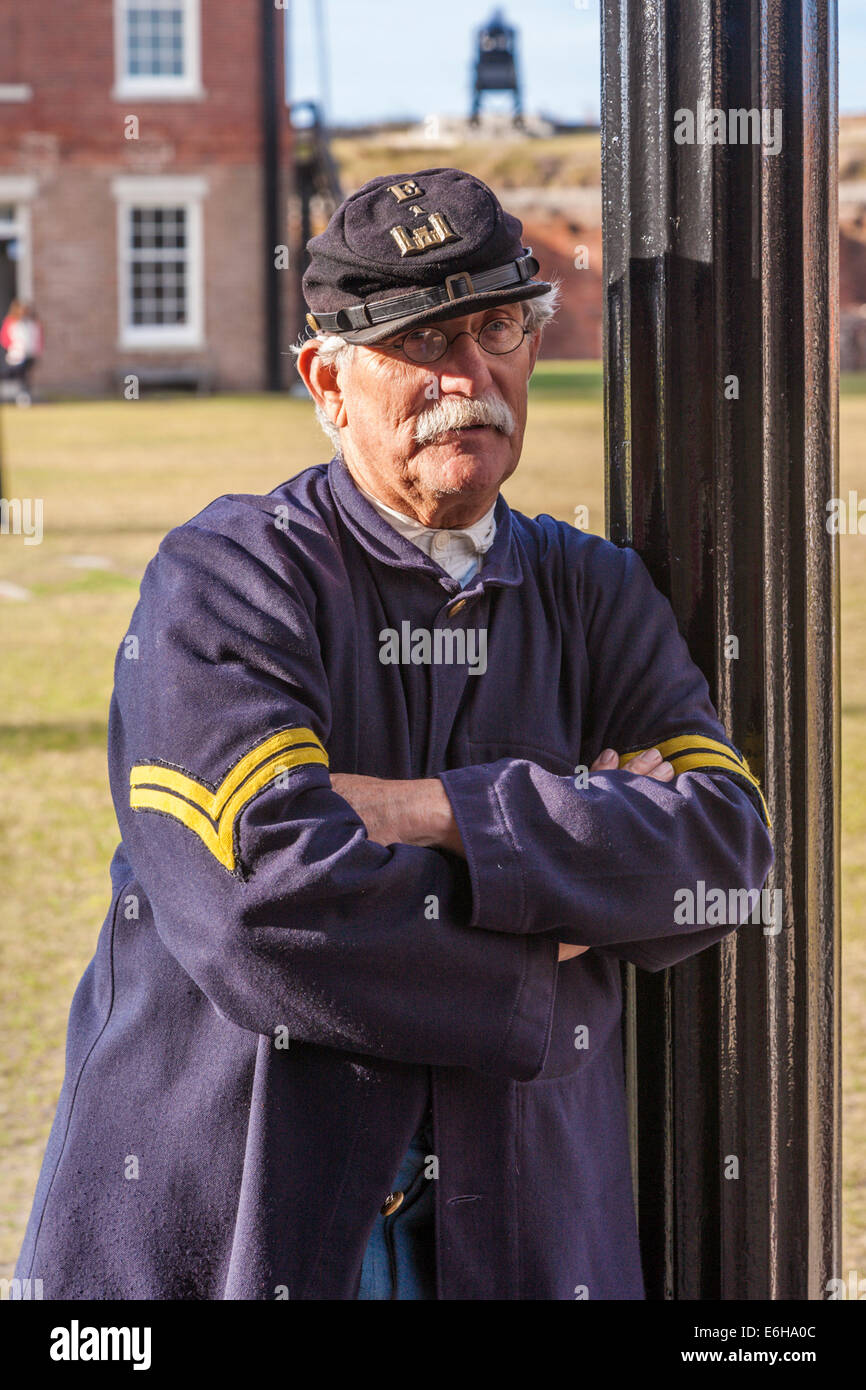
(390, 58)
(393, 58)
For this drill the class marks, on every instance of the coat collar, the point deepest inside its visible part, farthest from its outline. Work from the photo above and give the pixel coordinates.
(501, 562)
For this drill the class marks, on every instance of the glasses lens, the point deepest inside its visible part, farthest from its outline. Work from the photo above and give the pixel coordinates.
(501, 335)
(424, 344)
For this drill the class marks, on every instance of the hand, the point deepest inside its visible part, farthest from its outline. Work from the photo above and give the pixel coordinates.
(567, 952)
(648, 764)
(418, 812)
(409, 812)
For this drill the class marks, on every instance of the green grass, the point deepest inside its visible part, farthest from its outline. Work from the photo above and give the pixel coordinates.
(559, 162)
(115, 476)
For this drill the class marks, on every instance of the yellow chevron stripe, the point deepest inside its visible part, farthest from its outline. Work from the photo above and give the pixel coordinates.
(146, 775)
(671, 746)
(213, 801)
(718, 755)
(251, 788)
(214, 815)
(149, 799)
(698, 761)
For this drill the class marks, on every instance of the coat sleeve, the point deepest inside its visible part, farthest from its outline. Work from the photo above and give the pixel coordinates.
(261, 879)
(600, 864)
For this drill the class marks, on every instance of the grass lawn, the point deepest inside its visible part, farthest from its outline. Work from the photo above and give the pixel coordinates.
(115, 476)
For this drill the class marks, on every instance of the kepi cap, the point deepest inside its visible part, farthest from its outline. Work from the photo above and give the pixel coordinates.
(406, 249)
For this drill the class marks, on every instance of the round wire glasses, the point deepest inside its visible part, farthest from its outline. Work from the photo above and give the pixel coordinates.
(425, 345)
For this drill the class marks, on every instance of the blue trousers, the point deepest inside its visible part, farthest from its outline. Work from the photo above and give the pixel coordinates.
(400, 1259)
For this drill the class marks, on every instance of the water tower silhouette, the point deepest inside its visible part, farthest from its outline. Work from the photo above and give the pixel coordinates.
(496, 65)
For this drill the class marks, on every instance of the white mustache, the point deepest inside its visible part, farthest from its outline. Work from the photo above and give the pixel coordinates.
(456, 412)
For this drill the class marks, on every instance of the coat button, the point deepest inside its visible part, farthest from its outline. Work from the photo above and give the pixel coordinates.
(461, 603)
(391, 1203)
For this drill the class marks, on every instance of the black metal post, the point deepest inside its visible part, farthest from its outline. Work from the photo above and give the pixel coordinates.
(270, 114)
(722, 452)
(315, 177)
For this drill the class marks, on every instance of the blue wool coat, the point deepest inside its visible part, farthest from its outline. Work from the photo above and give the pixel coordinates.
(273, 996)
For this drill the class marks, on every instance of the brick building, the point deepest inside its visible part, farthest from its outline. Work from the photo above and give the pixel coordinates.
(132, 187)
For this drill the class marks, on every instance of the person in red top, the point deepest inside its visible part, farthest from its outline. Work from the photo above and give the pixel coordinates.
(22, 341)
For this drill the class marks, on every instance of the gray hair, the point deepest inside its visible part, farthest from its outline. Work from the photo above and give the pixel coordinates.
(335, 352)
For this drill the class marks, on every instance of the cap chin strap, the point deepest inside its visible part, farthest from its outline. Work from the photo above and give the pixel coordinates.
(453, 288)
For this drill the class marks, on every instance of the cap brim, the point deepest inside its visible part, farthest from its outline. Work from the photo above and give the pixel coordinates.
(455, 309)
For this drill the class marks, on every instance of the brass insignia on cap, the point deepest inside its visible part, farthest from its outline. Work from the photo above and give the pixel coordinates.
(435, 232)
(403, 191)
(313, 322)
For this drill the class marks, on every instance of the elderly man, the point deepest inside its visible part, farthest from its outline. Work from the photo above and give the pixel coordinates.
(402, 776)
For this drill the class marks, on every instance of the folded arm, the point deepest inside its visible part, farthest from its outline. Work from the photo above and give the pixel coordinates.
(262, 880)
(419, 812)
(603, 864)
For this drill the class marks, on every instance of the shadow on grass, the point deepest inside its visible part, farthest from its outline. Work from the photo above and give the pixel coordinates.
(23, 740)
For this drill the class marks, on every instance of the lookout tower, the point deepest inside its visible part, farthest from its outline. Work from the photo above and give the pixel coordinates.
(496, 64)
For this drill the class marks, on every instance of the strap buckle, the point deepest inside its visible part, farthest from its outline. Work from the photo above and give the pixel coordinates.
(461, 293)
(527, 265)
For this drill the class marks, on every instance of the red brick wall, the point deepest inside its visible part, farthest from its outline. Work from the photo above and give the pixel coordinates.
(577, 329)
(70, 136)
(66, 53)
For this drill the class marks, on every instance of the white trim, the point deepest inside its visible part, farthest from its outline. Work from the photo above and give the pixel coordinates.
(20, 189)
(186, 87)
(15, 91)
(150, 189)
(141, 191)
(19, 229)
(17, 188)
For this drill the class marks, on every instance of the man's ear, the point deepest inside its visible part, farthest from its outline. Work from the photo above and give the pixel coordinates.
(321, 382)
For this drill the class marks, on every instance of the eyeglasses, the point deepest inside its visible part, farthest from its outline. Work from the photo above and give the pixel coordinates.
(429, 344)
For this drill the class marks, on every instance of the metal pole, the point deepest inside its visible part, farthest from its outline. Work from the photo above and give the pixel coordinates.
(721, 406)
(270, 111)
(323, 64)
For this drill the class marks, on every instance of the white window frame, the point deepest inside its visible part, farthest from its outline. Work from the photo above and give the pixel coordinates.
(161, 191)
(20, 191)
(186, 87)
(15, 91)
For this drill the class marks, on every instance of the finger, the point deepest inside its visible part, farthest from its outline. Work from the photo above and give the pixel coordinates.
(663, 773)
(644, 762)
(606, 761)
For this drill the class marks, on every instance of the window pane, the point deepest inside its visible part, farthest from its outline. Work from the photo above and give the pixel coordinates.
(158, 270)
(155, 39)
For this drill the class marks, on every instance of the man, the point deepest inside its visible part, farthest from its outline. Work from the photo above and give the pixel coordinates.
(352, 1029)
